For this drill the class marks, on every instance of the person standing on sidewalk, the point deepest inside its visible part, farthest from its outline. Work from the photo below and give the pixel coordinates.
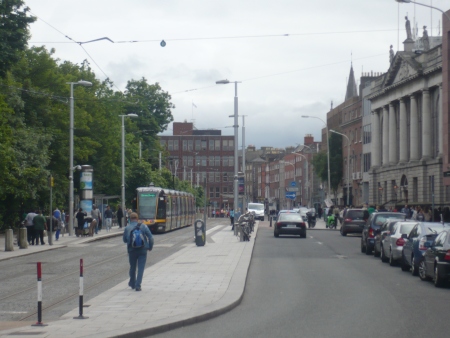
(30, 226)
(120, 216)
(40, 225)
(80, 221)
(232, 218)
(108, 215)
(137, 254)
(95, 213)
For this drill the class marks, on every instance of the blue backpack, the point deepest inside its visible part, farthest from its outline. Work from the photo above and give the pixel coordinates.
(137, 237)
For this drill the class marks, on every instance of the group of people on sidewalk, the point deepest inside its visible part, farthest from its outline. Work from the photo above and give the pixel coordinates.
(36, 223)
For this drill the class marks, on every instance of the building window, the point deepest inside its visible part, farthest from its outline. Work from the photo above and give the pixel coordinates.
(190, 161)
(211, 192)
(185, 145)
(198, 145)
(217, 161)
(175, 144)
(367, 134)
(210, 177)
(211, 161)
(231, 161)
(170, 145)
(211, 144)
(225, 190)
(225, 161)
(163, 143)
(203, 144)
(217, 175)
(225, 177)
(217, 143)
(190, 145)
(217, 192)
(367, 162)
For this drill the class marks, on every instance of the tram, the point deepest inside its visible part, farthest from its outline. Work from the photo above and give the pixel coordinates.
(164, 210)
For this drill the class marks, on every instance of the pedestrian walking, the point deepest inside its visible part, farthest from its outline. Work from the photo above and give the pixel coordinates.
(139, 240)
(30, 226)
(232, 218)
(119, 216)
(40, 225)
(57, 215)
(63, 222)
(108, 215)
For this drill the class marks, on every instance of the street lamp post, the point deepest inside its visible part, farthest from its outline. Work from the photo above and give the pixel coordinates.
(328, 150)
(236, 137)
(71, 168)
(348, 164)
(420, 4)
(123, 164)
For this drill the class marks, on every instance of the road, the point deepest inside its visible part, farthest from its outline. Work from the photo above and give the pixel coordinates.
(105, 265)
(323, 286)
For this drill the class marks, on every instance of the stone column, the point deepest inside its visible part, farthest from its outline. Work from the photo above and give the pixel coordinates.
(393, 159)
(403, 133)
(385, 159)
(426, 125)
(376, 144)
(414, 130)
(440, 124)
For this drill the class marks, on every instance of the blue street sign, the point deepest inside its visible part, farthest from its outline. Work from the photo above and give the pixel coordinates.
(291, 195)
(293, 184)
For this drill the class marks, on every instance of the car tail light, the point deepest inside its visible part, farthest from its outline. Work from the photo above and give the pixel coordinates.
(371, 233)
(422, 244)
(302, 225)
(447, 256)
(279, 224)
(400, 242)
(348, 220)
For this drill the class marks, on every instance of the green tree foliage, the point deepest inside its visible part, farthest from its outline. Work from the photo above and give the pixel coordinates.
(14, 32)
(320, 162)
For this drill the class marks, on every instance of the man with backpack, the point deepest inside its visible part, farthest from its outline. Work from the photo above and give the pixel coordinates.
(139, 240)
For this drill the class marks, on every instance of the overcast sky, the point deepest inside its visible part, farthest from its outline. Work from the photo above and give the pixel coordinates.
(283, 77)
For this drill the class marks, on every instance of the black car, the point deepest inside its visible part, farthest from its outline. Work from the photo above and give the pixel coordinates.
(353, 221)
(374, 223)
(290, 223)
(435, 263)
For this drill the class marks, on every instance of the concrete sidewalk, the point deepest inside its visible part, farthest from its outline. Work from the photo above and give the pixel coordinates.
(194, 284)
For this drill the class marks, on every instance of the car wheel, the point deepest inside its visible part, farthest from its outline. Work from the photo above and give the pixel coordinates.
(423, 270)
(276, 234)
(403, 264)
(368, 251)
(414, 269)
(341, 230)
(376, 253)
(391, 259)
(438, 281)
(383, 257)
(363, 249)
(303, 235)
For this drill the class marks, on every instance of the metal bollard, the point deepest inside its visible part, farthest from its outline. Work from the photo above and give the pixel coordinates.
(81, 292)
(39, 294)
(23, 243)
(270, 221)
(9, 240)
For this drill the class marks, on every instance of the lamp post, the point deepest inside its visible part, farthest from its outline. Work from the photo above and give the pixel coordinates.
(123, 164)
(420, 4)
(348, 164)
(328, 150)
(236, 126)
(244, 201)
(71, 168)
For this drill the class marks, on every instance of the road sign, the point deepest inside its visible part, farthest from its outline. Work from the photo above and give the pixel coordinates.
(291, 195)
(293, 184)
(292, 189)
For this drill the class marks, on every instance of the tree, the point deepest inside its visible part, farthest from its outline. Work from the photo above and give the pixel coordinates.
(14, 32)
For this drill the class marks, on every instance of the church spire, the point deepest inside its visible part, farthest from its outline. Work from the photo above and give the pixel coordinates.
(351, 85)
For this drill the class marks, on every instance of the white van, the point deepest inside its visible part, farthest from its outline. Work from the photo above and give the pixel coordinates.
(258, 209)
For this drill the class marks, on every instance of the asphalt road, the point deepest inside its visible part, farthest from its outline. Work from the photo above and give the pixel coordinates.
(105, 265)
(323, 286)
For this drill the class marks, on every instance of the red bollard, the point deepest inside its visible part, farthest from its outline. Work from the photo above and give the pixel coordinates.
(81, 293)
(39, 294)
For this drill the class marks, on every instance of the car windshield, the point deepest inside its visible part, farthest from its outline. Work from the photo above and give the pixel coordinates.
(290, 217)
(354, 214)
(256, 206)
(406, 228)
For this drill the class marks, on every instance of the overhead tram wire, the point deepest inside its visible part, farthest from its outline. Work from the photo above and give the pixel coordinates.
(283, 73)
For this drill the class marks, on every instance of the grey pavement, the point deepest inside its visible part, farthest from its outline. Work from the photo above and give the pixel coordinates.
(192, 285)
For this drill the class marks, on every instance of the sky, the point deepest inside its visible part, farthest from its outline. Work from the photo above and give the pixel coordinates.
(291, 57)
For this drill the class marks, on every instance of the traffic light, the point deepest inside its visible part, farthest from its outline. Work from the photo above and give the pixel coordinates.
(51, 181)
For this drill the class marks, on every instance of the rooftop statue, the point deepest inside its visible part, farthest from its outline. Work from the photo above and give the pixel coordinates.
(408, 28)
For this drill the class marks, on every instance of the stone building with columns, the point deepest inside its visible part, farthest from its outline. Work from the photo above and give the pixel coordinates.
(407, 129)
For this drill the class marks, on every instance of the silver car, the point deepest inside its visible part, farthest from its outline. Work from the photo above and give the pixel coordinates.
(392, 243)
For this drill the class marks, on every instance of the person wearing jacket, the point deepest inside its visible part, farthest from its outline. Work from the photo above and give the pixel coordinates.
(137, 256)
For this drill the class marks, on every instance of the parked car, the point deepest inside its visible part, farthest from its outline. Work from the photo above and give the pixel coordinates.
(374, 223)
(290, 223)
(392, 243)
(381, 233)
(414, 247)
(354, 221)
(435, 263)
